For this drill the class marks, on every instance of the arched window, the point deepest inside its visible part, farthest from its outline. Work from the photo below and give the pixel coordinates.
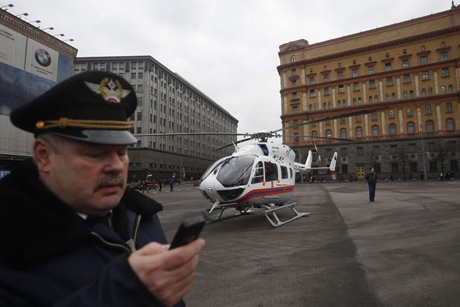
(344, 103)
(411, 94)
(329, 105)
(375, 130)
(328, 133)
(430, 91)
(451, 89)
(387, 96)
(410, 128)
(296, 137)
(354, 101)
(359, 132)
(359, 102)
(310, 107)
(339, 104)
(405, 95)
(423, 92)
(450, 124)
(314, 135)
(324, 106)
(392, 129)
(293, 59)
(376, 99)
(443, 90)
(429, 126)
(393, 96)
(370, 99)
(343, 133)
(314, 107)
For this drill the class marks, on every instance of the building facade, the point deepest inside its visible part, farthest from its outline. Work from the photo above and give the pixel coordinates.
(406, 76)
(167, 103)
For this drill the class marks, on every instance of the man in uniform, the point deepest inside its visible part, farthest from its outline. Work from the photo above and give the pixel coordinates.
(72, 234)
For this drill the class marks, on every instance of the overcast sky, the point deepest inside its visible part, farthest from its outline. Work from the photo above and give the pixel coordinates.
(226, 48)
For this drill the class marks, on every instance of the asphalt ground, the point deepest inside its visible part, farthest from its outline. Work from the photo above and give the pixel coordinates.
(401, 250)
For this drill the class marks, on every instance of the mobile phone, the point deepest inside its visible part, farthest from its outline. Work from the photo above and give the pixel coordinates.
(189, 230)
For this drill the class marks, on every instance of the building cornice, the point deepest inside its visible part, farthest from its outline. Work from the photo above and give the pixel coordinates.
(367, 49)
(26, 29)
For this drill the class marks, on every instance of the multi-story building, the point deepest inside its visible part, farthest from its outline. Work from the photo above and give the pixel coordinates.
(406, 75)
(167, 103)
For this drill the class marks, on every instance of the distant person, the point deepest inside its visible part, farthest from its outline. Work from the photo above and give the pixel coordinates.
(145, 187)
(371, 179)
(160, 184)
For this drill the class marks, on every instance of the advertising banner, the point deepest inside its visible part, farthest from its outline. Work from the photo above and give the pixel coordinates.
(27, 69)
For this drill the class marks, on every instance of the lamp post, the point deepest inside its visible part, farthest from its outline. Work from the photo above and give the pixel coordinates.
(23, 14)
(423, 154)
(4, 7)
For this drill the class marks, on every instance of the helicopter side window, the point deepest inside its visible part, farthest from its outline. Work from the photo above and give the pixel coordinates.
(258, 173)
(284, 172)
(271, 171)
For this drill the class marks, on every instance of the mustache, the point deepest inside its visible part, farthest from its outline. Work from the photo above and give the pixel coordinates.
(110, 180)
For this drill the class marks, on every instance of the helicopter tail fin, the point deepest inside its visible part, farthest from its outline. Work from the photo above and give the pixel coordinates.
(309, 160)
(332, 166)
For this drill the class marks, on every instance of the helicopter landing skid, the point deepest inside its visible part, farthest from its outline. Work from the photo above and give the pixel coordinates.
(276, 222)
(221, 210)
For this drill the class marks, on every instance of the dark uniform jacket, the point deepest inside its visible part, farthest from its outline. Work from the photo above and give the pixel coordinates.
(49, 256)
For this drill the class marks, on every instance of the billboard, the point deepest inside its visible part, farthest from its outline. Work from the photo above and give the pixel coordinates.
(27, 69)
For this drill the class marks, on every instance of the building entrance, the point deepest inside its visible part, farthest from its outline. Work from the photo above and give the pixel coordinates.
(360, 172)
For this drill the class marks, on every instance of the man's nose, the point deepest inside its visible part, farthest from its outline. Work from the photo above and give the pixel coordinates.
(114, 163)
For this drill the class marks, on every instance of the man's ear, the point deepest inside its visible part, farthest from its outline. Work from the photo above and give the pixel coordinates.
(42, 154)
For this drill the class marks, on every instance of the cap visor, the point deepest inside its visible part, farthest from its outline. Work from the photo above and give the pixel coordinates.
(103, 137)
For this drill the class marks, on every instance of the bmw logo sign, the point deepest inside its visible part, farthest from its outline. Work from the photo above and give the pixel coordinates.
(43, 58)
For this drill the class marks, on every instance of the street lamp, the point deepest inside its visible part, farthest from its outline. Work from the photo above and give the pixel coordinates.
(23, 14)
(8, 5)
(62, 34)
(37, 21)
(68, 40)
(49, 28)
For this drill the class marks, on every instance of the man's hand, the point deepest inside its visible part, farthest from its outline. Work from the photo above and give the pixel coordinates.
(167, 273)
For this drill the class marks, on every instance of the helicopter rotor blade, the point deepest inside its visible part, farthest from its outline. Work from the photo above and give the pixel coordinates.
(319, 137)
(332, 118)
(234, 143)
(188, 134)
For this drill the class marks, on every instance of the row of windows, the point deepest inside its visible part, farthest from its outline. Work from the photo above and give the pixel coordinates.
(423, 59)
(429, 126)
(389, 81)
(373, 85)
(375, 99)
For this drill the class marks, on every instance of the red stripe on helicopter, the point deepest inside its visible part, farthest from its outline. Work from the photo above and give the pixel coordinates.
(262, 193)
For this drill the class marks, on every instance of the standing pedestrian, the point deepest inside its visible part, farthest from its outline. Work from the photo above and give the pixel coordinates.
(160, 184)
(371, 179)
(145, 187)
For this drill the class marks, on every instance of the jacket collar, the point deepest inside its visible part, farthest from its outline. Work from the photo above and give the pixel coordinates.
(35, 226)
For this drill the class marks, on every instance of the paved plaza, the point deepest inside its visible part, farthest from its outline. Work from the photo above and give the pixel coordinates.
(401, 250)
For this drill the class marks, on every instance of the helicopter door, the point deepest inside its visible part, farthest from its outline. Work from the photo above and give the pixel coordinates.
(271, 172)
(258, 173)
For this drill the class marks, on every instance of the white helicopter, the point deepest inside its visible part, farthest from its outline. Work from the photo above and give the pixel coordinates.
(260, 175)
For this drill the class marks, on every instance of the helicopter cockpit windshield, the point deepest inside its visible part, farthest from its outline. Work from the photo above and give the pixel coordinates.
(235, 171)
